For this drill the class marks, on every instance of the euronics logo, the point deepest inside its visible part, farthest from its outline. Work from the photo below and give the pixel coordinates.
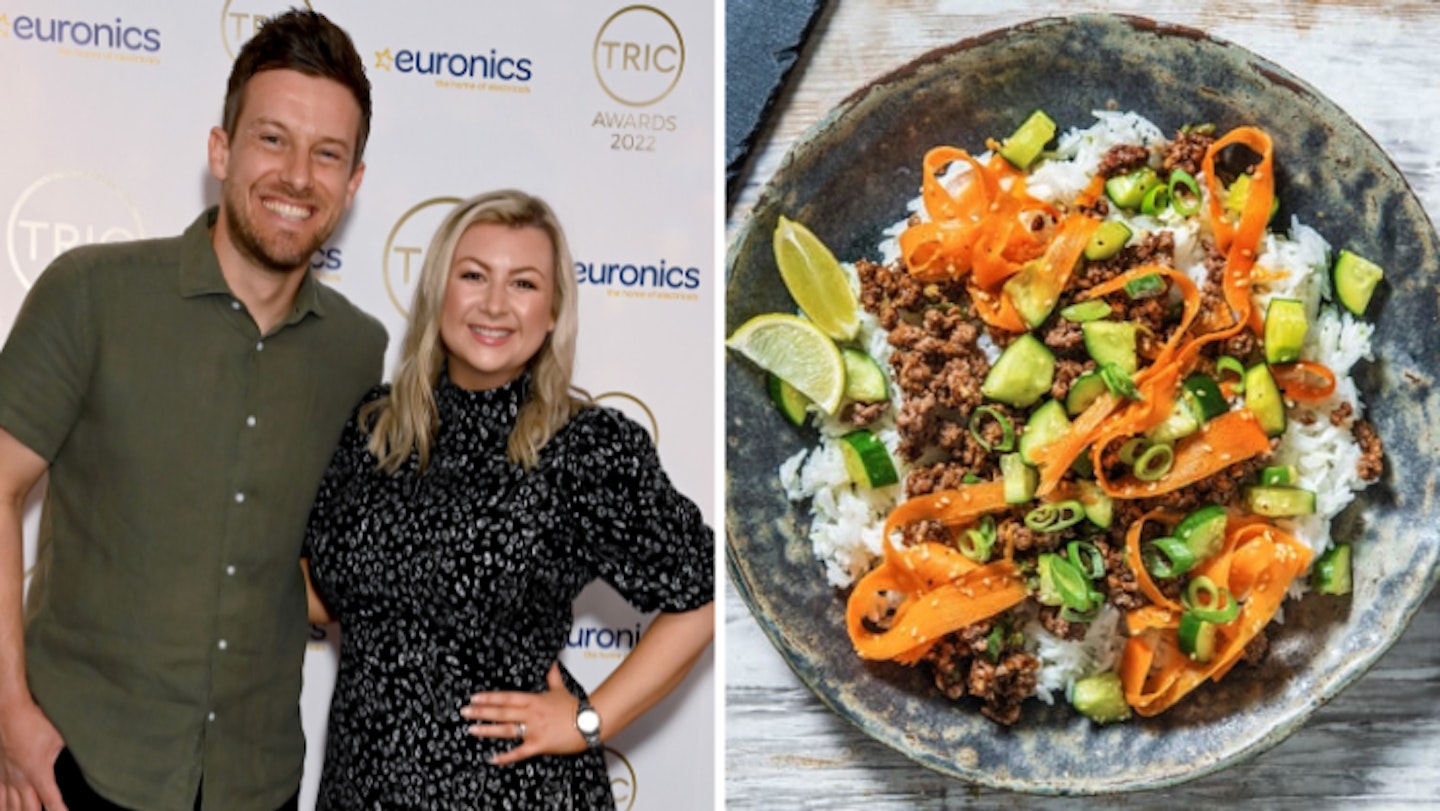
(603, 640)
(629, 274)
(91, 36)
(484, 70)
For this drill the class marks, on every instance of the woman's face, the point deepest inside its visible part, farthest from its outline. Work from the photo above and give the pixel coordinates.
(498, 303)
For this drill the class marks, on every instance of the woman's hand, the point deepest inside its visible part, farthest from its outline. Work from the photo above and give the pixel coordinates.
(544, 723)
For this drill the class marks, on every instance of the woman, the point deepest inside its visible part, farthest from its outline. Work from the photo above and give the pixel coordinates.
(466, 507)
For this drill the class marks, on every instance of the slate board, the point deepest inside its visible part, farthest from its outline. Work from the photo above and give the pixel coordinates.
(763, 41)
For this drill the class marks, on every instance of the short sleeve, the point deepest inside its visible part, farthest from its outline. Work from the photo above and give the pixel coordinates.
(47, 359)
(650, 542)
(351, 459)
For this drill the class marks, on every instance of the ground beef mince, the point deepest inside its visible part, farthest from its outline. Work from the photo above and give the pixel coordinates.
(1187, 151)
(1372, 451)
(1122, 159)
(1003, 686)
(862, 414)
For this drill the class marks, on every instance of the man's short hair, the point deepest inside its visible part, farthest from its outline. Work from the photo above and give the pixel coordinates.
(307, 42)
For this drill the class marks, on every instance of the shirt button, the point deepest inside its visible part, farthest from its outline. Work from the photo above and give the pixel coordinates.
(234, 305)
(210, 717)
(259, 346)
(230, 570)
(223, 644)
(239, 498)
(250, 421)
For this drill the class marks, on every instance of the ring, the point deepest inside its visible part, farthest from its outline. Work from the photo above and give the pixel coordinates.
(520, 730)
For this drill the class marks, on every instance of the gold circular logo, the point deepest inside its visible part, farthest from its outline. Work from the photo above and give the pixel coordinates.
(405, 248)
(622, 779)
(638, 56)
(240, 19)
(634, 408)
(63, 210)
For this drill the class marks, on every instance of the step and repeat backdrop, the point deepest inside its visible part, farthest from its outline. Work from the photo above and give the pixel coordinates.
(606, 109)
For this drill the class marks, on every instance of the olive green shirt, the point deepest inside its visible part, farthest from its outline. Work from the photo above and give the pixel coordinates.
(185, 450)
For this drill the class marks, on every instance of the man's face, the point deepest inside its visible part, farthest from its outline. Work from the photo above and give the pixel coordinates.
(286, 174)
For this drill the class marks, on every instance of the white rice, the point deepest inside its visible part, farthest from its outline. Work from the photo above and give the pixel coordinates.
(846, 520)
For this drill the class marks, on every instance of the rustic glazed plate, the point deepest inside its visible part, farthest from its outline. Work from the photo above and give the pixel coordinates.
(850, 177)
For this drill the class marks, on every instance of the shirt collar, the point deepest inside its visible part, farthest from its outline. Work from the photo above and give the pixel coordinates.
(200, 270)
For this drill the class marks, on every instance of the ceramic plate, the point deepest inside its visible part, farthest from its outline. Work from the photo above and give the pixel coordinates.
(850, 177)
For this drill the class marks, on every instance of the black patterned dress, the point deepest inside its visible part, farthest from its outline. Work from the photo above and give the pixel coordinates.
(462, 580)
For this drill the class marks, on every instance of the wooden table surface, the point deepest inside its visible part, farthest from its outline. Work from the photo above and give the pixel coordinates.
(1378, 743)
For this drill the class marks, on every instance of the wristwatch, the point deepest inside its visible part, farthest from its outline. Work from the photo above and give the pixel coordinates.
(587, 720)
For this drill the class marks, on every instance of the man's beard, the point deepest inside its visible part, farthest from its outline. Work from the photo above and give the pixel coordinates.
(282, 254)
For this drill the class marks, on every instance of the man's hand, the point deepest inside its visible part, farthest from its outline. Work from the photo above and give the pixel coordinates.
(29, 745)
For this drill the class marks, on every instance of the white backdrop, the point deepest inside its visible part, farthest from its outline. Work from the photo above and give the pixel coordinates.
(604, 108)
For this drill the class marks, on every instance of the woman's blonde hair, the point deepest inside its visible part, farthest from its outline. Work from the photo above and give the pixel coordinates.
(407, 420)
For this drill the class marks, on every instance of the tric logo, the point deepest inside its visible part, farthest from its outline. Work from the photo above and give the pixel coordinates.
(384, 60)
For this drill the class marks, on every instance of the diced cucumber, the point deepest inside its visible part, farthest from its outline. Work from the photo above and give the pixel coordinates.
(1129, 190)
(1203, 531)
(1355, 280)
(1020, 480)
(1098, 507)
(1083, 391)
(1332, 571)
(788, 399)
(864, 379)
(1262, 397)
(867, 460)
(1100, 697)
(1207, 395)
(1285, 327)
(1112, 342)
(1280, 502)
(1022, 374)
(1033, 299)
(1107, 240)
(1082, 311)
(1185, 419)
(1046, 424)
(1026, 143)
(1279, 475)
(1197, 637)
(1046, 592)
(1147, 286)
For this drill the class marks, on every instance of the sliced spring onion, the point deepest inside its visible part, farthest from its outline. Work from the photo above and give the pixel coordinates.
(1087, 558)
(1131, 449)
(977, 542)
(1184, 193)
(1070, 614)
(1210, 602)
(1167, 557)
(1226, 363)
(1151, 284)
(1072, 586)
(1156, 200)
(1088, 310)
(1119, 382)
(1053, 517)
(1154, 462)
(1007, 429)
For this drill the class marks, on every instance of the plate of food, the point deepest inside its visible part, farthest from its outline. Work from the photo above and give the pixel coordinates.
(1078, 406)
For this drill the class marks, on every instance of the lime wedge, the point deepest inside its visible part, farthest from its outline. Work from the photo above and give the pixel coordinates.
(795, 351)
(815, 280)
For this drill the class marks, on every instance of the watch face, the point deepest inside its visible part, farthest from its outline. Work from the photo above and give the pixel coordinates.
(588, 721)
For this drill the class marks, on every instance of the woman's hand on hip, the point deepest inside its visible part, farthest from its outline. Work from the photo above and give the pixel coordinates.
(540, 723)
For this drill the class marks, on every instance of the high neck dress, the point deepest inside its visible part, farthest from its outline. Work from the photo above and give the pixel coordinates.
(461, 579)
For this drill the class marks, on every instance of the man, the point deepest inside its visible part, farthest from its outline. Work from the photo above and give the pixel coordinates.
(184, 395)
